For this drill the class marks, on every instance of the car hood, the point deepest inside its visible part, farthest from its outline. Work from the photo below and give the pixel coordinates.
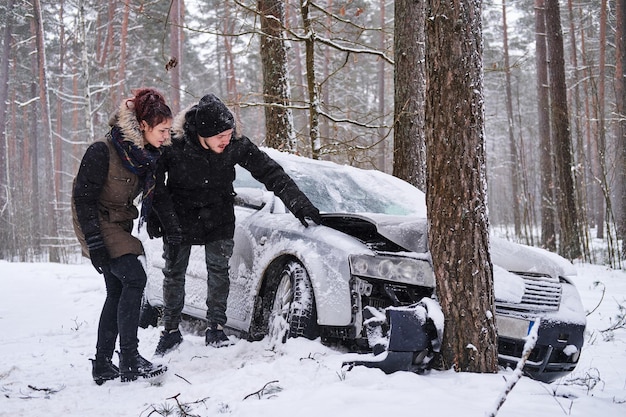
(411, 233)
(521, 258)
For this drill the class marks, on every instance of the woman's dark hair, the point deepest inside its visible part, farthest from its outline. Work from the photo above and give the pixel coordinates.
(149, 105)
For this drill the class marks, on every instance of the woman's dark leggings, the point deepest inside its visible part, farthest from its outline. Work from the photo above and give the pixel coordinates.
(125, 280)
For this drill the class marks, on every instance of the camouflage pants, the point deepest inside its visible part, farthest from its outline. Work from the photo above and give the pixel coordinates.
(217, 255)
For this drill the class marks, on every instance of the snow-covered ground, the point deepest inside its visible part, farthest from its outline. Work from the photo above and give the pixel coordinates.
(48, 323)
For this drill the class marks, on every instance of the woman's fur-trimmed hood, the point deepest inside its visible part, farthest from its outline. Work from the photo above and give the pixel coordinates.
(126, 120)
(178, 124)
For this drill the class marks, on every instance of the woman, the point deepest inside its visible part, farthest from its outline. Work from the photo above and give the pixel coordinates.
(113, 172)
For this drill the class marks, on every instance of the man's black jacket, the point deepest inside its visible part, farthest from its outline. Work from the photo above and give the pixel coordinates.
(194, 190)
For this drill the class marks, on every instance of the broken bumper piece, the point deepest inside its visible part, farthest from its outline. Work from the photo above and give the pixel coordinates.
(408, 345)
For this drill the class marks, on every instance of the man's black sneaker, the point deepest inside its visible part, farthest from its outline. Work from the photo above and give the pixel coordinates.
(169, 340)
(132, 366)
(215, 337)
(102, 370)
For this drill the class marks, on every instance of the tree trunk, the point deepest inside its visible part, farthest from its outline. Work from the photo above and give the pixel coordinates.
(409, 153)
(84, 70)
(580, 174)
(380, 137)
(548, 227)
(588, 88)
(5, 221)
(569, 237)
(116, 98)
(58, 144)
(312, 85)
(279, 130)
(601, 187)
(50, 186)
(605, 185)
(229, 60)
(514, 161)
(456, 192)
(176, 52)
(620, 94)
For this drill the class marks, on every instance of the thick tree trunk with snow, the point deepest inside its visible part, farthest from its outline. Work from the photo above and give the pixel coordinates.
(456, 191)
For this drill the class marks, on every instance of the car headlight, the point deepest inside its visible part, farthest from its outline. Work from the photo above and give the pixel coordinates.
(397, 269)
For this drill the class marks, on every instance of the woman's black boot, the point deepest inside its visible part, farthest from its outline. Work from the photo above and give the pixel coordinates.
(132, 366)
(102, 370)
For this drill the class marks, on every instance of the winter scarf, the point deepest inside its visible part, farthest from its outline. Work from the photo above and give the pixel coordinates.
(141, 162)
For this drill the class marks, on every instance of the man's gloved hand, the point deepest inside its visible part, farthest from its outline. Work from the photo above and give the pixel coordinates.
(309, 212)
(153, 225)
(98, 252)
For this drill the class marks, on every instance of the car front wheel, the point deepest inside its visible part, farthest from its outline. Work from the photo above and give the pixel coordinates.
(293, 311)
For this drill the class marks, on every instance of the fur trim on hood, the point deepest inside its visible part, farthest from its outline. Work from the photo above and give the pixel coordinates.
(178, 124)
(127, 121)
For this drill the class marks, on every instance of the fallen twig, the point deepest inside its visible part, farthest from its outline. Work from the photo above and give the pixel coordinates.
(531, 341)
(262, 391)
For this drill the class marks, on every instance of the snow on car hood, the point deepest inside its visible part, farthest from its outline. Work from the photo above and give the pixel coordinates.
(521, 258)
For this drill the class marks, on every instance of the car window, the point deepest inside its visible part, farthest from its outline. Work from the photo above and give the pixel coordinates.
(243, 179)
(337, 188)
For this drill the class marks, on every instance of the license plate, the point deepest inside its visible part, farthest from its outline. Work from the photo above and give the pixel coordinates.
(513, 327)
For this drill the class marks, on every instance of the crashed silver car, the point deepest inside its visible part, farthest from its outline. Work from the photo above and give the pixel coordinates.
(363, 279)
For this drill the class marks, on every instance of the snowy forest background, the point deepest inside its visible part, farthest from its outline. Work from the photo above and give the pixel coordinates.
(66, 65)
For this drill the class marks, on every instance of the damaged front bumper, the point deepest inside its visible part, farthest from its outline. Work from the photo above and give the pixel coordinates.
(555, 354)
(403, 339)
(407, 338)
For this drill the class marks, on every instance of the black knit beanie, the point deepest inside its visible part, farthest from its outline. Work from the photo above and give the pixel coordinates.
(212, 117)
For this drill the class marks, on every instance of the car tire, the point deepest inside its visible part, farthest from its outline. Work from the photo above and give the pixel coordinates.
(293, 312)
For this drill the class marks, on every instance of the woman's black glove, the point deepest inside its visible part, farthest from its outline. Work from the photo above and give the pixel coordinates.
(308, 212)
(98, 252)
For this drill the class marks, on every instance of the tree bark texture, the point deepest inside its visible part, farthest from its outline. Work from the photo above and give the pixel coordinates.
(311, 78)
(621, 110)
(176, 51)
(4, 165)
(569, 237)
(409, 154)
(49, 191)
(456, 190)
(279, 130)
(580, 174)
(548, 216)
(514, 161)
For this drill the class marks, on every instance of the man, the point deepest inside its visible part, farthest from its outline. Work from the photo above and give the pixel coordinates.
(196, 207)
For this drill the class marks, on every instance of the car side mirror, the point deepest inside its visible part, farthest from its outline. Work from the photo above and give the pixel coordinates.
(250, 197)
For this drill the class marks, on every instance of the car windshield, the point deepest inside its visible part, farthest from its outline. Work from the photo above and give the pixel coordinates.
(337, 188)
